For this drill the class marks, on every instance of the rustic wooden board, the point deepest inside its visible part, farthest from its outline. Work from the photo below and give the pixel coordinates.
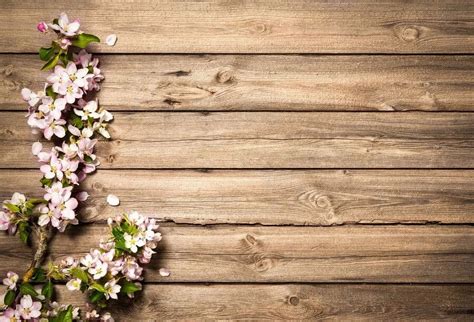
(295, 301)
(265, 82)
(432, 254)
(282, 26)
(320, 197)
(269, 140)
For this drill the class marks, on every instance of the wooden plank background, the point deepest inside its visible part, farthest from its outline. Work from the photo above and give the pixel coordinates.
(307, 159)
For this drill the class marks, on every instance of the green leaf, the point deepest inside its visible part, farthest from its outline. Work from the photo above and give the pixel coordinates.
(64, 59)
(64, 315)
(9, 297)
(96, 296)
(50, 92)
(98, 287)
(46, 53)
(52, 62)
(12, 207)
(46, 182)
(80, 274)
(39, 276)
(129, 287)
(76, 121)
(48, 290)
(83, 40)
(25, 230)
(28, 289)
(119, 239)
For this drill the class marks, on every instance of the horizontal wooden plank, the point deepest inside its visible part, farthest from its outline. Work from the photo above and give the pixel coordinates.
(268, 140)
(243, 82)
(283, 26)
(294, 302)
(288, 254)
(321, 197)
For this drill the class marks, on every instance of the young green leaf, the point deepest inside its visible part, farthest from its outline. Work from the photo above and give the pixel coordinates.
(28, 289)
(48, 290)
(24, 230)
(46, 182)
(46, 53)
(13, 208)
(80, 274)
(39, 276)
(83, 40)
(50, 92)
(9, 297)
(129, 287)
(98, 287)
(52, 62)
(96, 296)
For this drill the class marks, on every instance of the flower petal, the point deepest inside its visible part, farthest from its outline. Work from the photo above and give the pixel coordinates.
(164, 272)
(113, 200)
(111, 39)
(36, 148)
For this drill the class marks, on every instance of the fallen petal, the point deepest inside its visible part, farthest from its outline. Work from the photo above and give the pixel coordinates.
(165, 272)
(111, 39)
(36, 148)
(113, 200)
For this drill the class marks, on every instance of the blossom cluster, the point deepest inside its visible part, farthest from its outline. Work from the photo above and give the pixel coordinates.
(104, 273)
(66, 113)
(63, 111)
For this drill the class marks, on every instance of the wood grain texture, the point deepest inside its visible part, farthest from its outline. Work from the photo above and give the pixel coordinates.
(415, 254)
(268, 140)
(283, 26)
(272, 197)
(265, 82)
(295, 301)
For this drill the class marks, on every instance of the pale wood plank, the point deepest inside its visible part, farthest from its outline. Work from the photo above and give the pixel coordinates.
(272, 197)
(379, 254)
(282, 26)
(236, 82)
(269, 140)
(294, 301)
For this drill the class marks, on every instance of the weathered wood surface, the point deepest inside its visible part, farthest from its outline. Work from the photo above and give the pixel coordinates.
(265, 82)
(378, 254)
(282, 26)
(269, 140)
(295, 301)
(319, 197)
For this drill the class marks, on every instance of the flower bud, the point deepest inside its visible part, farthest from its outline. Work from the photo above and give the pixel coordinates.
(42, 27)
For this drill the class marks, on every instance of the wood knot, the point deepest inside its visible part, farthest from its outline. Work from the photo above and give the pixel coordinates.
(294, 300)
(263, 265)
(111, 158)
(97, 186)
(8, 70)
(251, 240)
(225, 76)
(410, 34)
(323, 202)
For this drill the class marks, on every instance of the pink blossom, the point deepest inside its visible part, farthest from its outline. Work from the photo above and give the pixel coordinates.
(53, 106)
(49, 215)
(6, 222)
(69, 167)
(56, 193)
(58, 78)
(99, 270)
(28, 309)
(76, 76)
(112, 289)
(11, 280)
(54, 127)
(31, 97)
(70, 91)
(42, 27)
(65, 27)
(10, 315)
(90, 110)
(53, 169)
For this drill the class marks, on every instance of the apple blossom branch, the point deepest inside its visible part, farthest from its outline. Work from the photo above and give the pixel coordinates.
(67, 113)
